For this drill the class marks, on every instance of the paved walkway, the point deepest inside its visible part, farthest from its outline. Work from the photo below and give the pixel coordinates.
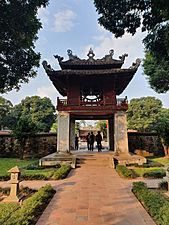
(94, 194)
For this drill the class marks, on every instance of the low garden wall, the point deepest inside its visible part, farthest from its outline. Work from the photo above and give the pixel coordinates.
(35, 147)
(145, 143)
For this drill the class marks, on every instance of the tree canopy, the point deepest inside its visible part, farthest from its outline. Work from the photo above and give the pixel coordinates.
(161, 126)
(142, 113)
(5, 108)
(18, 32)
(102, 126)
(120, 16)
(39, 111)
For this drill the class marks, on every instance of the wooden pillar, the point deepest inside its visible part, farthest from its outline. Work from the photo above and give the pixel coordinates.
(111, 133)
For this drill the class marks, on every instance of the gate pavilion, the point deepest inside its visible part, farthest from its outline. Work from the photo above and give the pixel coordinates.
(90, 87)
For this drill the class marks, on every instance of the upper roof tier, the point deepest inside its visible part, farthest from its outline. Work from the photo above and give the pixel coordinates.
(91, 70)
(74, 62)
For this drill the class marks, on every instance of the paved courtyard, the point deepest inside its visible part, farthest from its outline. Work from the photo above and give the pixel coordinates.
(94, 194)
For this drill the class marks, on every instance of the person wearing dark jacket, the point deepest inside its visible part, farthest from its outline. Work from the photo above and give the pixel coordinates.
(99, 141)
(88, 141)
(76, 142)
(91, 141)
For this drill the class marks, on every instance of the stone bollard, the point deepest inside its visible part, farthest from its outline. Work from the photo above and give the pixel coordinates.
(166, 178)
(167, 175)
(14, 181)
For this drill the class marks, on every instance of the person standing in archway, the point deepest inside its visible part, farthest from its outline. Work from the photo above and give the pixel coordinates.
(76, 142)
(91, 141)
(88, 141)
(99, 141)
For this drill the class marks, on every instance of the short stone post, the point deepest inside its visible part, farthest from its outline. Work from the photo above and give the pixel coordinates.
(14, 181)
(167, 176)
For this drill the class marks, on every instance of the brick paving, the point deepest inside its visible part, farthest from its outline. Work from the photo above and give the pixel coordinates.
(94, 194)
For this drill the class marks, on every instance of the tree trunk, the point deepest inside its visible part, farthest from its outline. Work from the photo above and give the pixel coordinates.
(166, 148)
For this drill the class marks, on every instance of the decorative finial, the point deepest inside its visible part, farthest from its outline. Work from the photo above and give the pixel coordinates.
(111, 53)
(91, 54)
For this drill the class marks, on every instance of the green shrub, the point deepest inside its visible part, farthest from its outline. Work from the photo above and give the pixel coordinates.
(34, 177)
(62, 172)
(34, 167)
(154, 174)
(125, 172)
(44, 174)
(4, 177)
(32, 207)
(163, 185)
(147, 165)
(6, 210)
(154, 164)
(155, 203)
(4, 191)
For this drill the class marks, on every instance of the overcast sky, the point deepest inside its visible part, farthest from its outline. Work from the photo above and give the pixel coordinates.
(73, 25)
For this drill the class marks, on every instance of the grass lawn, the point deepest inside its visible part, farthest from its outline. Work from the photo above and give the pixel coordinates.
(141, 171)
(7, 163)
(163, 160)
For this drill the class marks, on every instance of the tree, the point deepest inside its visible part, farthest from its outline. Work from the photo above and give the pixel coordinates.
(101, 125)
(120, 16)
(82, 123)
(142, 113)
(40, 111)
(18, 32)
(54, 127)
(161, 126)
(5, 108)
(23, 130)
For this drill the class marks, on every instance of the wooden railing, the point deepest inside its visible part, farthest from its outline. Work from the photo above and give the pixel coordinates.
(121, 103)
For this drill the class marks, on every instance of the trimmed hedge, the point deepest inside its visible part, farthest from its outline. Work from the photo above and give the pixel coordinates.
(32, 208)
(43, 174)
(6, 210)
(125, 172)
(62, 172)
(163, 185)
(154, 174)
(154, 202)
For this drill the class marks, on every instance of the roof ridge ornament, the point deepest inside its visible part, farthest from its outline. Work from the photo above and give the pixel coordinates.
(71, 56)
(47, 66)
(91, 54)
(108, 57)
(59, 58)
(135, 64)
(123, 57)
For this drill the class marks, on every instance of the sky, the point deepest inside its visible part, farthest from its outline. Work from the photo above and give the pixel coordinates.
(72, 24)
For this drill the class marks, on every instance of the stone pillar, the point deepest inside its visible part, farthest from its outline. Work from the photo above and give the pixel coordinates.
(111, 134)
(108, 136)
(14, 181)
(72, 133)
(120, 133)
(63, 142)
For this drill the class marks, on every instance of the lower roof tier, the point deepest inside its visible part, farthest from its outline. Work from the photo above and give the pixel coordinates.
(119, 78)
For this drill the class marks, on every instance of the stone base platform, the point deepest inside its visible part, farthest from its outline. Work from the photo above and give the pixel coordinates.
(129, 159)
(58, 158)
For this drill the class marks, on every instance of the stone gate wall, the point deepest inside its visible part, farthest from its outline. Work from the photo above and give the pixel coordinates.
(145, 143)
(43, 144)
(35, 147)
